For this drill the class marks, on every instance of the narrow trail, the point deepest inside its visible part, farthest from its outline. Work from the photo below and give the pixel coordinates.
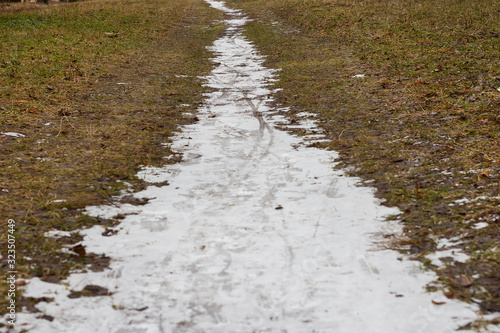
(255, 233)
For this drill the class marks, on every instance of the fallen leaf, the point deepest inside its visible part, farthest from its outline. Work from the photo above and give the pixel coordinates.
(89, 291)
(46, 317)
(109, 232)
(417, 190)
(20, 283)
(141, 309)
(465, 281)
(212, 116)
(79, 249)
(74, 295)
(437, 302)
(50, 279)
(94, 290)
(485, 173)
(449, 293)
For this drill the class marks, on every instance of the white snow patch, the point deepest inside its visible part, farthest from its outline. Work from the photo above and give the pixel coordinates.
(57, 234)
(14, 134)
(454, 254)
(306, 114)
(108, 212)
(480, 225)
(449, 249)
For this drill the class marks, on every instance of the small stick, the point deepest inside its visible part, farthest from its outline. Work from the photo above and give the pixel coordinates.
(317, 225)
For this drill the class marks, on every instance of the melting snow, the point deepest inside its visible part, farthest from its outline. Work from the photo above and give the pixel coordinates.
(57, 234)
(13, 134)
(255, 233)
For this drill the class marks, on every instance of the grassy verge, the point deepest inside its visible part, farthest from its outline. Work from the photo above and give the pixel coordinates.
(408, 94)
(95, 88)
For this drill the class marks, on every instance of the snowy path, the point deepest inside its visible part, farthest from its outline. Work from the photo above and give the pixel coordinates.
(255, 233)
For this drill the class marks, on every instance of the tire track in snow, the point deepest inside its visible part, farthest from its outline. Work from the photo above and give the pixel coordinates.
(211, 253)
(263, 125)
